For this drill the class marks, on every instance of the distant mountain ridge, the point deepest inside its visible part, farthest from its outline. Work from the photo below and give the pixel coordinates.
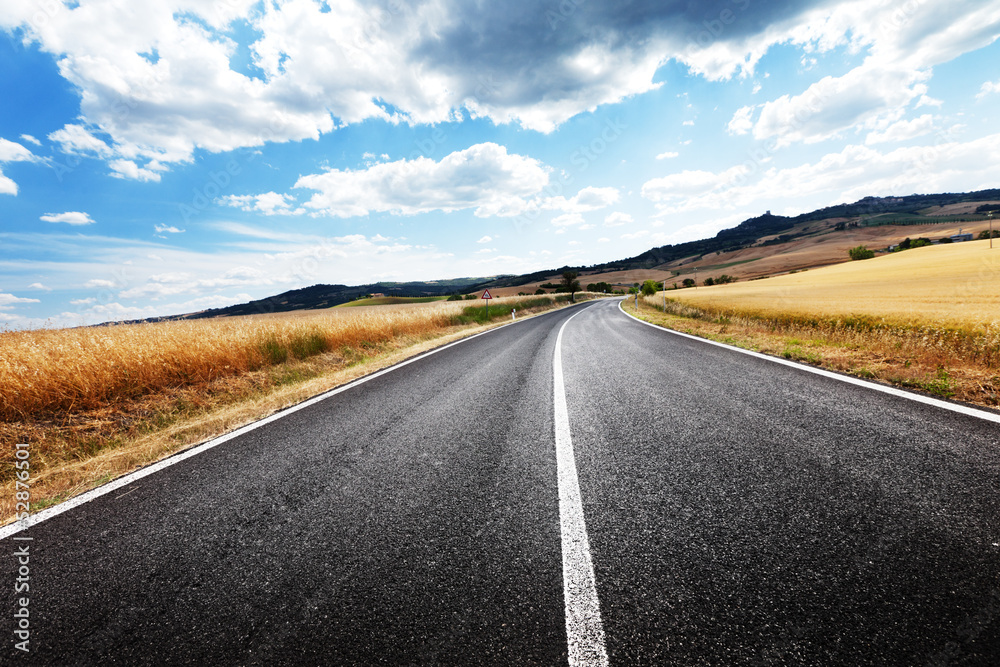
(746, 233)
(751, 230)
(327, 296)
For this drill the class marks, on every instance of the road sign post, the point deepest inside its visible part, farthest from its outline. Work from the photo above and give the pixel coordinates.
(487, 296)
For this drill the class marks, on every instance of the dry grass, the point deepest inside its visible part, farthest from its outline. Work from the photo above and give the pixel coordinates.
(927, 318)
(97, 402)
(950, 286)
(825, 248)
(59, 370)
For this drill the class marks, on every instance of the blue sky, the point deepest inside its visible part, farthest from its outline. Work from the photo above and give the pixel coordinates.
(174, 155)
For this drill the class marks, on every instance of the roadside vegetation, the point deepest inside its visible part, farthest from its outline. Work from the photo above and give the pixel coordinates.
(927, 319)
(390, 300)
(96, 402)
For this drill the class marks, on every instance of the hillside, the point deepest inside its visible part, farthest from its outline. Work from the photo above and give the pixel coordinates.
(760, 246)
(775, 230)
(327, 296)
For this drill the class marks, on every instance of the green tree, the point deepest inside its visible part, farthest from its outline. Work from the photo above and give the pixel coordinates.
(709, 281)
(688, 282)
(861, 252)
(650, 287)
(570, 284)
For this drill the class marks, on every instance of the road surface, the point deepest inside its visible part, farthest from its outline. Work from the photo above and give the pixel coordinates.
(728, 511)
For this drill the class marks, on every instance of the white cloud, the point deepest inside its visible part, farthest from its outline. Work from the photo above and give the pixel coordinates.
(844, 176)
(902, 130)
(315, 66)
(834, 104)
(31, 140)
(483, 177)
(39, 286)
(485, 239)
(7, 186)
(100, 282)
(129, 169)
(8, 300)
(740, 123)
(11, 151)
(903, 42)
(567, 220)
(69, 217)
(78, 139)
(587, 199)
(988, 88)
(635, 235)
(167, 229)
(667, 155)
(268, 203)
(690, 182)
(617, 219)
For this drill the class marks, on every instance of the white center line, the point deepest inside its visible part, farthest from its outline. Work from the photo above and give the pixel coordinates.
(584, 630)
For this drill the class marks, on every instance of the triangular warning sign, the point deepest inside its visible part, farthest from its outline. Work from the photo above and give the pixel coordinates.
(486, 295)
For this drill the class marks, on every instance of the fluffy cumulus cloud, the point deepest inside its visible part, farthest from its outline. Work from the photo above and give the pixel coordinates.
(73, 138)
(483, 177)
(159, 81)
(11, 151)
(846, 175)
(69, 217)
(988, 88)
(568, 220)
(740, 122)
(834, 104)
(588, 199)
(9, 300)
(904, 42)
(268, 203)
(617, 219)
(902, 130)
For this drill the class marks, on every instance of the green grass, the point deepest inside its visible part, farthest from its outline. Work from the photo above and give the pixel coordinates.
(389, 300)
(915, 219)
(716, 267)
(794, 353)
(939, 385)
(477, 314)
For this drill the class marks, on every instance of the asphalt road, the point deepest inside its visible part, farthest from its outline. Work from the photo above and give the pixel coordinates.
(739, 512)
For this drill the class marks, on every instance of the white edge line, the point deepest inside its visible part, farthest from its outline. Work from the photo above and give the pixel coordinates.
(893, 391)
(76, 501)
(584, 629)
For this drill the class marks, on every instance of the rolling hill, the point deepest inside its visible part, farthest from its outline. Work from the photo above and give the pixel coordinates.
(764, 245)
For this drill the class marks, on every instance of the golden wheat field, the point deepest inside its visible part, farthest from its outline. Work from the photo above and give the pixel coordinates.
(68, 369)
(954, 285)
(95, 402)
